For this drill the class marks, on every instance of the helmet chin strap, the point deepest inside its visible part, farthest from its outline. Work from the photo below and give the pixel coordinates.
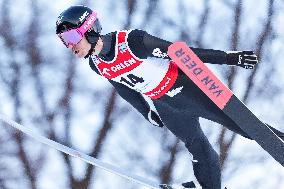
(92, 38)
(91, 50)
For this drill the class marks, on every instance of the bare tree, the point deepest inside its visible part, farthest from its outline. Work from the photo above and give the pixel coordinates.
(43, 94)
(226, 144)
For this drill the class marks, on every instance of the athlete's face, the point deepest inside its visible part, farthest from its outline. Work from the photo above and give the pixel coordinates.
(82, 48)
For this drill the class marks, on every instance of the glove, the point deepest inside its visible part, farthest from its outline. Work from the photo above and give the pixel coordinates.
(155, 119)
(245, 59)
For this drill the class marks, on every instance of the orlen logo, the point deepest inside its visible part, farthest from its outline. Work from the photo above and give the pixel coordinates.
(90, 21)
(83, 16)
(122, 66)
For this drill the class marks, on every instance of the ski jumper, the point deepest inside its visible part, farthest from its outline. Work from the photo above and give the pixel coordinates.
(137, 65)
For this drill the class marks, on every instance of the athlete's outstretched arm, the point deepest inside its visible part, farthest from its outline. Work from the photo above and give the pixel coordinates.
(138, 102)
(147, 45)
(135, 99)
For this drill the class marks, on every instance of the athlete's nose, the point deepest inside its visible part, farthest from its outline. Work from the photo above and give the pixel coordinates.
(70, 46)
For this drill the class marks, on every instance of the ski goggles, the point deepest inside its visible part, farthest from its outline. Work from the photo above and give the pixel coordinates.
(74, 36)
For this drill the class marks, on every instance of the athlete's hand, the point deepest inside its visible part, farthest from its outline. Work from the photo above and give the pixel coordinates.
(245, 59)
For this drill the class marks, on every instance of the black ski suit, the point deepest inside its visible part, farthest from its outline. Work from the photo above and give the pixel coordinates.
(179, 110)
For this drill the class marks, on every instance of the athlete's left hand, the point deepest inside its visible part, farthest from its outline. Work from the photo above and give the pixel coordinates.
(245, 59)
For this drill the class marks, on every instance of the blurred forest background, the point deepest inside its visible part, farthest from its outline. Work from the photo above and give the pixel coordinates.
(45, 87)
